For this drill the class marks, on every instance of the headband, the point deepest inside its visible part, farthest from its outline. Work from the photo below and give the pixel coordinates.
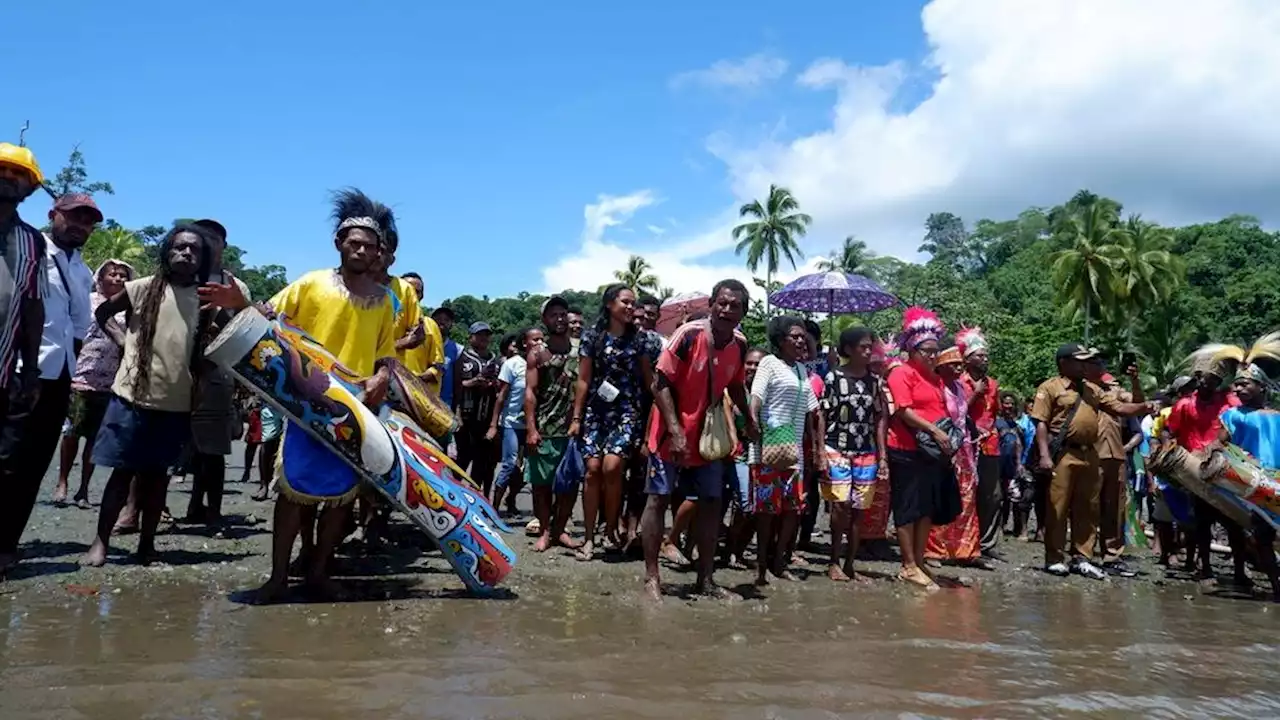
(366, 223)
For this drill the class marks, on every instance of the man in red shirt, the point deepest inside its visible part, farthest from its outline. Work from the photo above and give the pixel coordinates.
(984, 406)
(702, 361)
(1195, 423)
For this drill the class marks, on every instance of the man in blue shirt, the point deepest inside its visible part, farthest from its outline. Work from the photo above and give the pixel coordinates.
(1255, 428)
(444, 318)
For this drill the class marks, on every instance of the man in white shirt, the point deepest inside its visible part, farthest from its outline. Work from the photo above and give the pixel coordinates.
(36, 425)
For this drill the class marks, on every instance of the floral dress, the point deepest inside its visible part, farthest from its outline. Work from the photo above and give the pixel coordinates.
(613, 427)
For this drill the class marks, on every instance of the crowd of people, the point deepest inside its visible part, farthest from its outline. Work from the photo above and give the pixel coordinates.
(906, 440)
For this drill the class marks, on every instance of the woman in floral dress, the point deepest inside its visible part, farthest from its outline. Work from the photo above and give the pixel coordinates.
(614, 368)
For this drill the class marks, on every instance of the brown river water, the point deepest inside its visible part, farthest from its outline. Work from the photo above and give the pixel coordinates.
(571, 649)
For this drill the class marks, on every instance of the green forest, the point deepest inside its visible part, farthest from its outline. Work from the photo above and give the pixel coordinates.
(1079, 271)
(1084, 270)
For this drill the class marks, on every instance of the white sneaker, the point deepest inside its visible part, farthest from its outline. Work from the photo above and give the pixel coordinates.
(1059, 569)
(1084, 568)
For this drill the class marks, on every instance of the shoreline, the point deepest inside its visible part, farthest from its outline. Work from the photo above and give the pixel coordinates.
(235, 559)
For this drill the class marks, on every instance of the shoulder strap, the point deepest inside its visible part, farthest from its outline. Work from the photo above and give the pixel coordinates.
(1061, 436)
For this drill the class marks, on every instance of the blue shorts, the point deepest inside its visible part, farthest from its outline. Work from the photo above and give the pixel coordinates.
(704, 482)
(311, 471)
(138, 438)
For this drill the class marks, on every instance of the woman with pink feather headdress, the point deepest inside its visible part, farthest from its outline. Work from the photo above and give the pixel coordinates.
(919, 449)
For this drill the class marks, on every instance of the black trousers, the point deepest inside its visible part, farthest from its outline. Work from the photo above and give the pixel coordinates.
(475, 454)
(28, 440)
(990, 496)
(812, 503)
(209, 477)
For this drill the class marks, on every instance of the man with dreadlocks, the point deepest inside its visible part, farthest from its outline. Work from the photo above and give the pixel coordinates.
(353, 315)
(149, 419)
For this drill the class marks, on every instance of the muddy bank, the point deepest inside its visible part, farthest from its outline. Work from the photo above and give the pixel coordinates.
(234, 558)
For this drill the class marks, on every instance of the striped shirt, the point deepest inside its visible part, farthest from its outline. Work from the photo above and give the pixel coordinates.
(786, 398)
(22, 249)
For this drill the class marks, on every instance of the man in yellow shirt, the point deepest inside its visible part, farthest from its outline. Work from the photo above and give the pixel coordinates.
(427, 359)
(348, 311)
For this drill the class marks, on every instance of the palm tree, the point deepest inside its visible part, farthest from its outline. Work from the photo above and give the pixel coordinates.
(852, 255)
(772, 232)
(1147, 274)
(1084, 274)
(637, 275)
(114, 242)
(666, 293)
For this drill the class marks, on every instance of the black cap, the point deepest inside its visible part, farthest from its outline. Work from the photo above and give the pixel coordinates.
(214, 227)
(553, 301)
(1076, 351)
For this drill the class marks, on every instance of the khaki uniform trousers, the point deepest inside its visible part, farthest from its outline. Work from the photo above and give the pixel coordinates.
(1073, 496)
(1113, 502)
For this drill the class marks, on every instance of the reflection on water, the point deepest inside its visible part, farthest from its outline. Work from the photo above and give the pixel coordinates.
(576, 651)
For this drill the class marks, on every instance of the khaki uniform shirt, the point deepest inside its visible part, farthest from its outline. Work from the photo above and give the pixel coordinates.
(1110, 442)
(1054, 400)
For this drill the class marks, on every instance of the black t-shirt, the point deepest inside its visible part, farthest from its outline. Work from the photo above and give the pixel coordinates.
(476, 404)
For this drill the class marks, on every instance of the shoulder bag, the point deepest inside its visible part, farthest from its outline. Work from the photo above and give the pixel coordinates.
(780, 443)
(715, 442)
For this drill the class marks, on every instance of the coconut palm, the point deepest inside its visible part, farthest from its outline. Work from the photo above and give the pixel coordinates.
(1084, 275)
(637, 275)
(771, 233)
(1146, 273)
(114, 242)
(851, 257)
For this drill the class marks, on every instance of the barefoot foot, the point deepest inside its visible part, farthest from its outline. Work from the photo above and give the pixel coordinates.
(837, 574)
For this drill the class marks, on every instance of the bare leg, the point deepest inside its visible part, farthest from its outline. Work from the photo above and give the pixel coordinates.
(591, 506)
(250, 450)
(655, 514)
(683, 520)
(152, 487)
(852, 551)
(740, 531)
(128, 521)
(114, 496)
(564, 503)
(66, 458)
(307, 530)
(266, 467)
(612, 468)
(286, 523)
(839, 526)
(788, 531)
(332, 527)
(707, 530)
(542, 502)
(86, 472)
(764, 546)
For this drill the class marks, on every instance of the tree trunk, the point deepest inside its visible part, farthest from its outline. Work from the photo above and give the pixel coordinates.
(768, 283)
(1087, 309)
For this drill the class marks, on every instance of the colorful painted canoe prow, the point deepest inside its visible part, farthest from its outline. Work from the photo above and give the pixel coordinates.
(298, 377)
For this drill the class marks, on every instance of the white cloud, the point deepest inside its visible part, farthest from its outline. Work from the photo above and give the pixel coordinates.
(747, 73)
(1166, 106)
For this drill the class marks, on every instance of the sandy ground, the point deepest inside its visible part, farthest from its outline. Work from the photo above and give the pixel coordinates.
(234, 558)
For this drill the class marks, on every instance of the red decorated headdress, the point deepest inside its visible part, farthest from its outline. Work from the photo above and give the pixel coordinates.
(970, 340)
(919, 325)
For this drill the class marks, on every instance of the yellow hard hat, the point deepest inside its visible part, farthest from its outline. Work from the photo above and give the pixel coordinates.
(11, 154)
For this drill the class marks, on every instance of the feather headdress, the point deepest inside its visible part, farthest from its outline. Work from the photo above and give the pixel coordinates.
(888, 352)
(352, 209)
(1260, 362)
(970, 340)
(919, 325)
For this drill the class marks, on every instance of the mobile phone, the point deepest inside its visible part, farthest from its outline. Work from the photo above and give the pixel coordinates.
(1128, 359)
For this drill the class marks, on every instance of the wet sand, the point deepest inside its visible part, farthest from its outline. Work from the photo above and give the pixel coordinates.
(180, 639)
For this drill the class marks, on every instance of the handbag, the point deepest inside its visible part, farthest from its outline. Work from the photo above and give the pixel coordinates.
(780, 444)
(715, 441)
(571, 470)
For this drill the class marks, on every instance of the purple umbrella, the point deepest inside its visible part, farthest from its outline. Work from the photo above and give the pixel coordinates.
(833, 293)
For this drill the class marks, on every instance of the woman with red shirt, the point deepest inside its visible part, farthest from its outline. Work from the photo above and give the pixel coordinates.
(914, 473)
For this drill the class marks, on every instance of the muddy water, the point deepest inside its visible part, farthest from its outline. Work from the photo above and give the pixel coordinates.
(565, 650)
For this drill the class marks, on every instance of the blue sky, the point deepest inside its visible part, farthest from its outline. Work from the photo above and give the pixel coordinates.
(535, 147)
(488, 128)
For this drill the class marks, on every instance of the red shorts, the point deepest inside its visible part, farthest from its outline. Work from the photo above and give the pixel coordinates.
(775, 491)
